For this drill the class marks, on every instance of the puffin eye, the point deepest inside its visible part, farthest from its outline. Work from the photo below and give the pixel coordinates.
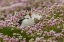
(26, 10)
(27, 18)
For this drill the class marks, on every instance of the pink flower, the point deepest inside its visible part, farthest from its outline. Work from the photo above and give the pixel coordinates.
(52, 32)
(24, 0)
(37, 39)
(24, 40)
(16, 40)
(58, 27)
(62, 31)
(58, 35)
(12, 40)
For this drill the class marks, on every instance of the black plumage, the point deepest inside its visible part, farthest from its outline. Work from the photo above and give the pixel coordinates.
(20, 21)
(27, 8)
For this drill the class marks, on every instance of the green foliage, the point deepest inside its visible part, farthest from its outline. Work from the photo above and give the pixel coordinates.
(9, 32)
(12, 12)
(36, 20)
(2, 19)
(37, 5)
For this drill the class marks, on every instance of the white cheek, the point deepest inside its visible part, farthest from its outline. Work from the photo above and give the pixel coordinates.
(27, 13)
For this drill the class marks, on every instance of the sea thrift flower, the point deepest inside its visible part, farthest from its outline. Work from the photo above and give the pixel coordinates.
(24, 39)
(16, 40)
(37, 39)
(44, 40)
(14, 33)
(12, 39)
(41, 39)
(20, 37)
(61, 14)
(62, 31)
(12, 29)
(1, 35)
(58, 35)
(58, 27)
(52, 32)
(63, 25)
(31, 40)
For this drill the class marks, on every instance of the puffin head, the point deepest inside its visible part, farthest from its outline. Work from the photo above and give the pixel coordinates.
(28, 11)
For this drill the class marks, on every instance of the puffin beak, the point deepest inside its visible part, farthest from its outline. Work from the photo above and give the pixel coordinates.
(30, 14)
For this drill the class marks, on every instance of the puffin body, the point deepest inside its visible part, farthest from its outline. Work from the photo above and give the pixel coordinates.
(28, 21)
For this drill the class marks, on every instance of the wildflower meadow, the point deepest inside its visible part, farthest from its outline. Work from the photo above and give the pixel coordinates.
(48, 29)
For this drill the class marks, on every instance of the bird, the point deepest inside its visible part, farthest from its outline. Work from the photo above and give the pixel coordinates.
(29, 19)
(27, 9)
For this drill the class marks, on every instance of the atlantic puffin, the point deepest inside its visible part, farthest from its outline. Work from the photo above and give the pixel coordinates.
(28, 19)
